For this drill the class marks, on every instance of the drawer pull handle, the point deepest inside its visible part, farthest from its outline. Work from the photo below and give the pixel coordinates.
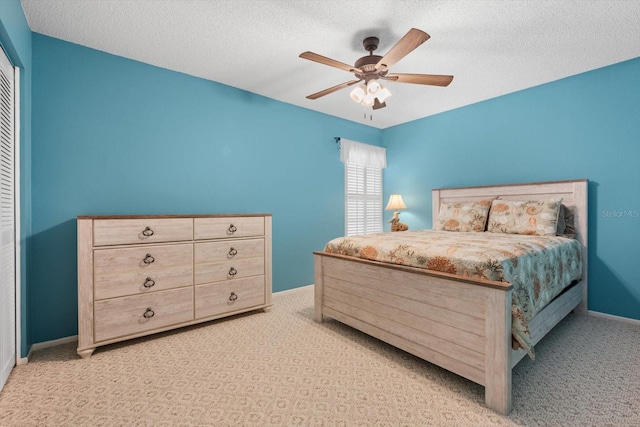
(232, 252)
(149, 282)
(232, 272)
(147, 232)
(148, 314)
(148, 259)
(232, 229)
(233, 297)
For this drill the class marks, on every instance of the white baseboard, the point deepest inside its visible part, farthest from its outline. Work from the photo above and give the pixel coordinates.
(612, 317)
(45, 344)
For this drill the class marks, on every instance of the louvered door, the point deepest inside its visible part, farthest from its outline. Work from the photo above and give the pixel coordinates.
(7, 221)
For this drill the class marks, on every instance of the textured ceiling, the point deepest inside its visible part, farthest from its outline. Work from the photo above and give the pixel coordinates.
(491, 47)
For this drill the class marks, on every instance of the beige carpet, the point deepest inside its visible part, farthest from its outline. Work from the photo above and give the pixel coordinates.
(281, 368)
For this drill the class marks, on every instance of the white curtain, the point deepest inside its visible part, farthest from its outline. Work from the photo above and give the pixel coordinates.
(358, 153)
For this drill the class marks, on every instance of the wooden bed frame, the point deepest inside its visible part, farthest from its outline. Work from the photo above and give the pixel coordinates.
(459, 323)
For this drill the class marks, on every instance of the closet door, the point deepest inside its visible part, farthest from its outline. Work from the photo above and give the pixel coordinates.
(7, 221)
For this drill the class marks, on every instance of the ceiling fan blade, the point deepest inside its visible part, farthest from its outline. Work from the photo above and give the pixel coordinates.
(409, 42)
(420, 79)
(332, 89)
(330, 62)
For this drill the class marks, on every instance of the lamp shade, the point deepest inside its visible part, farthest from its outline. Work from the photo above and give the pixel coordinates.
(373, 86)
(383, 94)
(358, 93)
(395, 203)
(368, 100)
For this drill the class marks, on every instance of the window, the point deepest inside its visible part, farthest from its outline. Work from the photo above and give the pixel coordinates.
(363, 199)
(363, 166)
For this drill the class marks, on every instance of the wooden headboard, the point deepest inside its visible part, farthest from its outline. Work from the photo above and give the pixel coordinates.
(573, 193)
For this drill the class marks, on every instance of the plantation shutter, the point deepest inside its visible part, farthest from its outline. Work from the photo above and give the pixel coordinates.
(363, 187)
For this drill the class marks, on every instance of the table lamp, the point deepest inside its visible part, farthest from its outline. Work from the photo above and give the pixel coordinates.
(395, 204)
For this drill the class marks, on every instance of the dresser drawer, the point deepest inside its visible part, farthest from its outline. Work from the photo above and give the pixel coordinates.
(224, 228)
(134, 231)
(140, 313)
(206, 272)
(218, 298)
(208, 252)
(130, 271)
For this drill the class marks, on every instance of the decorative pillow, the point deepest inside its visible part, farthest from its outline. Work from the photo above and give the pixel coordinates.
(566, 222)
(534, 217)
(561, 224)
(463, 216)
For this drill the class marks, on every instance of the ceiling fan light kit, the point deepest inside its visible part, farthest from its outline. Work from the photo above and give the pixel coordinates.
(372, 68)
(367, 95)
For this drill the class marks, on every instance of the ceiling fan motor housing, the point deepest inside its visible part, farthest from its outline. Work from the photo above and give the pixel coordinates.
(370, 44)
(368, 63)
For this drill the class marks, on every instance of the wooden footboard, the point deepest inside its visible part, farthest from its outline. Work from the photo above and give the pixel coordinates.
(460, 326)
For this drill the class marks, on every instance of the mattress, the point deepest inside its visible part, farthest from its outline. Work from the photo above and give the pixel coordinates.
(538, 267)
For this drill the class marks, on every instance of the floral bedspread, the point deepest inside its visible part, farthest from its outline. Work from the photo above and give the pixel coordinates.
(538, 267)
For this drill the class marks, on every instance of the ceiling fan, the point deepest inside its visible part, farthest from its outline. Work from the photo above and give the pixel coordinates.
(372, 68)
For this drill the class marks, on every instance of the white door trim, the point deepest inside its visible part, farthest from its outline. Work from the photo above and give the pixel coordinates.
(16, 178)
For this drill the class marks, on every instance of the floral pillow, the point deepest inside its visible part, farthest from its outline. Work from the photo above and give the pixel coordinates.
(534, 217)
(463, 216)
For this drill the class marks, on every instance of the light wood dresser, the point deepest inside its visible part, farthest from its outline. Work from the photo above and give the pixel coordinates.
(138, 275)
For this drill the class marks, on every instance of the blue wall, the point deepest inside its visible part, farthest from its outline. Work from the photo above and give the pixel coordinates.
(585, 126)
(115, 136)
(15, 38)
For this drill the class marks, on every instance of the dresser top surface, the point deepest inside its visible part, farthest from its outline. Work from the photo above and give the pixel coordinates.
(172, 216)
